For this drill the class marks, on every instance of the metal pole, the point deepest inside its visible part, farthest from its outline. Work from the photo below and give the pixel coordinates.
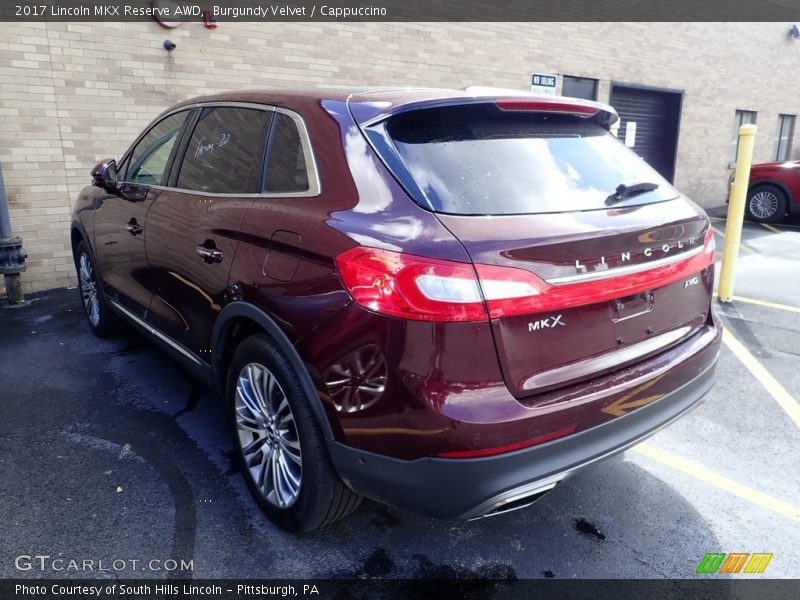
(733, 226)
(5, 220)
(12, 255)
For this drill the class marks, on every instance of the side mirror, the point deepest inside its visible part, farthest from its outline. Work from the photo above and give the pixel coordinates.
(105, 174)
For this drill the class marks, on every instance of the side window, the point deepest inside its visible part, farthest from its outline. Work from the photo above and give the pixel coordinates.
(226, 151)
(286, 163)
(147, 162)
(741, 117)
(785, 132)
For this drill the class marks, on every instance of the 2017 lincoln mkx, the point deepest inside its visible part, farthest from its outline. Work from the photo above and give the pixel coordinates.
(444, 300)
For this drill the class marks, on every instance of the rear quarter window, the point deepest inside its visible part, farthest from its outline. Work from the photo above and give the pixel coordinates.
(286, 162)
(481, 160)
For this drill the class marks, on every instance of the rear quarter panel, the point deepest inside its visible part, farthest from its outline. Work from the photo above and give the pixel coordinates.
(285, 263)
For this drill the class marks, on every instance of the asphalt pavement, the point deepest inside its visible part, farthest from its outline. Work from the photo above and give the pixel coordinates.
(109, 452)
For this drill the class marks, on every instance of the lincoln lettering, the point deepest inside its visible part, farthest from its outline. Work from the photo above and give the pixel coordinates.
(649, 252)
(67, 11)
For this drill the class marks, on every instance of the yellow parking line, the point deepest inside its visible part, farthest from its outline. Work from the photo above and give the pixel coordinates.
(718, 232)
(779, 226)
(719, 481)
(766, 303)
(742, 245)
(765, 378)
(776, 230)
(787, 226)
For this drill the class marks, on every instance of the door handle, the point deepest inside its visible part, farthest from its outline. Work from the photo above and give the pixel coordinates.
(210, 255)
(133, 227)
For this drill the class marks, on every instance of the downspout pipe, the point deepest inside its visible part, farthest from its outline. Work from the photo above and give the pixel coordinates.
(12, 255)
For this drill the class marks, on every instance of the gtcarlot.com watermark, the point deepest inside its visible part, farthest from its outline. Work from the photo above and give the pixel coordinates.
(45, 562)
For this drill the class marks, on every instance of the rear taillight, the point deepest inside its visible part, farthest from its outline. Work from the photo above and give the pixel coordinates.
(710, 246)
(412, 287)
(427, 289)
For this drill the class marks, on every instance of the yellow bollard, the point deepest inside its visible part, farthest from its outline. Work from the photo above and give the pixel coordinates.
(733, 226)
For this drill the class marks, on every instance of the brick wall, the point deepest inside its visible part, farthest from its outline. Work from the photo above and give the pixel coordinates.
(74, 93)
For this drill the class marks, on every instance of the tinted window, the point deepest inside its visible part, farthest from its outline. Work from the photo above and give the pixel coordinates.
(226, 152)
(480, 160)
(286, 163)
(148, 160)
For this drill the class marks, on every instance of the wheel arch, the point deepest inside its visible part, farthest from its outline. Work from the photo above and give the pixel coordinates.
(239, 320)
(770, 183)
(78, 235)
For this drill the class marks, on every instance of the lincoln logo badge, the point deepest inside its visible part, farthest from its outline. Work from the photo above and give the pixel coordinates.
(625, 257)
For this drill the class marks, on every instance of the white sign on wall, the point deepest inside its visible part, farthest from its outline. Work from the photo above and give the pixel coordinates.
(542, 83)
(630, 134)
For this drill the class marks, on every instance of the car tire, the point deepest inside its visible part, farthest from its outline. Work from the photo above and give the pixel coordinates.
(102, 320)
(279, 443)
(766, 204)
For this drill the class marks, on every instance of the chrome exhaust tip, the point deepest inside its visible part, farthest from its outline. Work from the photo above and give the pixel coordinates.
(514, 502)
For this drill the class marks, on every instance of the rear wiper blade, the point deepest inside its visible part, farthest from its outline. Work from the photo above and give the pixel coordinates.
(625, 191)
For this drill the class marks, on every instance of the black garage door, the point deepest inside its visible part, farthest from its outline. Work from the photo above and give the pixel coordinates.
(656, 114)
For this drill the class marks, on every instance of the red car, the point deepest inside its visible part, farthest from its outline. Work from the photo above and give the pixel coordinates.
(442, 300)
(773, 192)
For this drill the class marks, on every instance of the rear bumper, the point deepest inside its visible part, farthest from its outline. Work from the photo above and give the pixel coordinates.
(470, 488)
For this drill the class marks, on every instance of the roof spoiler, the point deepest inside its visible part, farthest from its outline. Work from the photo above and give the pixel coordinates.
(507, 100)
(510, 99)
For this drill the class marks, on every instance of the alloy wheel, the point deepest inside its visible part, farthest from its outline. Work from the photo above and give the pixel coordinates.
(268, 436)
(89, 289)
(764, 204)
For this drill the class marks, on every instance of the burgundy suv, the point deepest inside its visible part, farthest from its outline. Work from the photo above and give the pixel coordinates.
(443, 300)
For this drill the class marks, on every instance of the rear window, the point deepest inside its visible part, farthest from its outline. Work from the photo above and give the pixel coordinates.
(481, 160)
